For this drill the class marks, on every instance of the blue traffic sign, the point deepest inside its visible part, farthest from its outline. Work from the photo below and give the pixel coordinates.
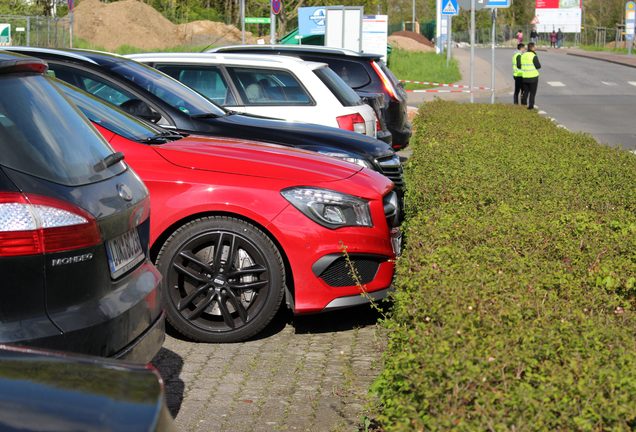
(498, 3)
(450, 7)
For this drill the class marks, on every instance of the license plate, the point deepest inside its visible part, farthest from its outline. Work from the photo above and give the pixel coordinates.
(396, 241)
(124, 253)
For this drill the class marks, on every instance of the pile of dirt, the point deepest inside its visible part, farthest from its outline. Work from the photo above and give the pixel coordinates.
(211, 32)
(415, 36)
(134, 23)
(408, 44)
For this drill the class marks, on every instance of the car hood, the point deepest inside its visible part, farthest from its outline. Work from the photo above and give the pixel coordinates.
(254, 159)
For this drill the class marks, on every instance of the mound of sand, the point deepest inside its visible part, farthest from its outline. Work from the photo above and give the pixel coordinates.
(415, 36)
(131, 22)
(408, 44)
(211, 32)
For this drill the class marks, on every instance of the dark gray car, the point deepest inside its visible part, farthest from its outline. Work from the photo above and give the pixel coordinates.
(74, 229)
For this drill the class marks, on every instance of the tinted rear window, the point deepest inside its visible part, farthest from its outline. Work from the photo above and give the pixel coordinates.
(338, 87)
(351, 72)
(44, 135)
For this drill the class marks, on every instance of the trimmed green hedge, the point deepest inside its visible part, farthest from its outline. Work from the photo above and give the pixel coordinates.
(515, 297)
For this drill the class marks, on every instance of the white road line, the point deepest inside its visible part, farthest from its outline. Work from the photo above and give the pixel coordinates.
(556, 84)
(632, 83)
(609, 83)
(542, 112)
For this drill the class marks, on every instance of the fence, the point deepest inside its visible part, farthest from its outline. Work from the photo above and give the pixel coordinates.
(38, 31)
(506, 35)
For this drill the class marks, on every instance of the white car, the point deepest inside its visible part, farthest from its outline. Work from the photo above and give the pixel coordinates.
(270, 86)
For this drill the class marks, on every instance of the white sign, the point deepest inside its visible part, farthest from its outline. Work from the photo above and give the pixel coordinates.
(343, 27)
(566, 19)
(375, 30)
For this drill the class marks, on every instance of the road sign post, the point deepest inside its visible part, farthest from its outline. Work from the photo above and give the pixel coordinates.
(275, 8)
(630, 22)
(449, 8)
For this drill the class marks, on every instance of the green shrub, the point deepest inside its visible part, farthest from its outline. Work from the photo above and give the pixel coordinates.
(514, 307)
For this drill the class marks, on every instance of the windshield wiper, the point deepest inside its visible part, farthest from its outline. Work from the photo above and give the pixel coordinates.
(108, 161)
(206, 115)
(162, 138)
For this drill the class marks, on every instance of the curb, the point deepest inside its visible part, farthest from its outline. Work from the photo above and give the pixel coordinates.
(602, 59)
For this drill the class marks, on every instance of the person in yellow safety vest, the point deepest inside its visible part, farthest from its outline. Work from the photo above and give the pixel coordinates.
(517, 73)
(529, 64)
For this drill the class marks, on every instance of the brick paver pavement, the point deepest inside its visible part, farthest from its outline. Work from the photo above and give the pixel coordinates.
(306, 374)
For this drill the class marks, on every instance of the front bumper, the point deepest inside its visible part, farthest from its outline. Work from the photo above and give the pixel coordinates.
(318, 260)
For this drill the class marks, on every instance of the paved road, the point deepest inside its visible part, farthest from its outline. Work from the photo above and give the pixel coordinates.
(582, 94)
(304, 374)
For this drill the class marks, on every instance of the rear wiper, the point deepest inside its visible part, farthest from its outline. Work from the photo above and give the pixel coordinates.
(108, 161)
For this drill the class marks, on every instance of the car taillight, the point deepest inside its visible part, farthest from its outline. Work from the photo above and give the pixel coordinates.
(378, 127)
(33, 224)
(386, 82)
(352, 122)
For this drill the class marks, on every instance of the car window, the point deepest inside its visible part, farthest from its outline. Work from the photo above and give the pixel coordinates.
(43, 135)
(107, 116)
(167, 89)
(207, 80)
(351, 72)
(261, 86)
(92, 84)
(345, 94)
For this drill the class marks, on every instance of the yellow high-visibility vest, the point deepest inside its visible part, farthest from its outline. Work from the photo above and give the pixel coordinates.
(527, 65)
(516, 72)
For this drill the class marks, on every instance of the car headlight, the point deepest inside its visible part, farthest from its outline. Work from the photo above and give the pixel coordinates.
(329, 208)
(349, 158)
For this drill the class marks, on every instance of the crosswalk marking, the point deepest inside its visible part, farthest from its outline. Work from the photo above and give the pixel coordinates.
(632, 83)
(556, 84)
(609, 83)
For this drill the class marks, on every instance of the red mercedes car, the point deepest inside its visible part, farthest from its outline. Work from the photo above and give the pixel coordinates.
(237, 225)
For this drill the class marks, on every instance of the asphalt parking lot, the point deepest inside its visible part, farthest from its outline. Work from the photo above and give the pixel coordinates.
(307, 373)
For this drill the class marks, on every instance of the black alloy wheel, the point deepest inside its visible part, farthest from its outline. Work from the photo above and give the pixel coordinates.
(223, 279)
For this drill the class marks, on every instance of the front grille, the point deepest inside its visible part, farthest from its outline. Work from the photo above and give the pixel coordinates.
(339, 272)
(391, 167)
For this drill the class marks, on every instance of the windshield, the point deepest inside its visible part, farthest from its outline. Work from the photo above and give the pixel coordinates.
(167, 89)
(109, 117)
(43, 135)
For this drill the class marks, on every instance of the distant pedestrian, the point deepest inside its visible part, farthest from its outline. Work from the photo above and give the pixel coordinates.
(517, 73)
(553, 39)
(529, 64)
(559, 39)
(519, 37)
(534, 36)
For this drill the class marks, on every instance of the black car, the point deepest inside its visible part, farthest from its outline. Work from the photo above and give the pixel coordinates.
(74, 229)
(147, 93)
(365, 73)
(48, 391)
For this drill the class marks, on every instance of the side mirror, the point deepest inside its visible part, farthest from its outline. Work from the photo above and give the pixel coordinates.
(139, 108)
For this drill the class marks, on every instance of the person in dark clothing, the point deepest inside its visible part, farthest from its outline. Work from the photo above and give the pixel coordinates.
(529, 64)
(517, 73)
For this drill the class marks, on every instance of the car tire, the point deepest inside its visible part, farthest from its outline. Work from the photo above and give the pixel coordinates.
(220, 294)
